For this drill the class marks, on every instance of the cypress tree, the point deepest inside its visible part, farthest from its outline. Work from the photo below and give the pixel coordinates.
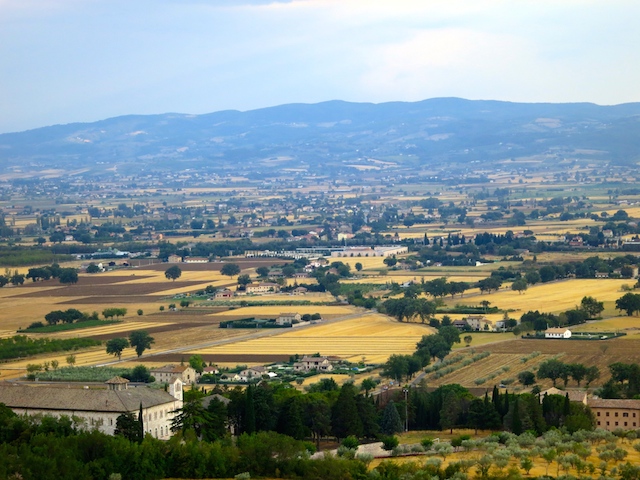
(516, 421)
(391, 422)
(141, 422)
(344, 416)
(250, 411)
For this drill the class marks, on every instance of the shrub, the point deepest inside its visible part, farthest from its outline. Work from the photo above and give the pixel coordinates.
(389, 442)
(427, 443)
(350, 442)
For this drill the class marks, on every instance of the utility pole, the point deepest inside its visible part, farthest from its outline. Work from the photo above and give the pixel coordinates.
(406, 409)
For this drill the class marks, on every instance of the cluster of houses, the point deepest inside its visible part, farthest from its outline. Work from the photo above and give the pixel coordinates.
(479, 323)
(304, 365)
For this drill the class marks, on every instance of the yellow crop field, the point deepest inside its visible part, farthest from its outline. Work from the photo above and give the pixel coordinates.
(611, 325)
(374, 337)
(367, 262)
(313, 297)
(271, 310)
(114, 328)
(481, 338)
(338, 378)
(416, 277)
(555, 296)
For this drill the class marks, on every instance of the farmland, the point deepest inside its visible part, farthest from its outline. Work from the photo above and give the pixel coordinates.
(373, 337)
(346, 332)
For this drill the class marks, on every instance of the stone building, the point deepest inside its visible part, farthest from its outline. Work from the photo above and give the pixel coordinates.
(98, 407)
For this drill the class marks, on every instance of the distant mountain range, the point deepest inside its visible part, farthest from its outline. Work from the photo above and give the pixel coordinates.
(334, 135)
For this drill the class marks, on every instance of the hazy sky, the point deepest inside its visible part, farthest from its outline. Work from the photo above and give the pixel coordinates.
(65, 61)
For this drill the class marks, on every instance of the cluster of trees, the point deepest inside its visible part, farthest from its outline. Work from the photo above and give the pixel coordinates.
(326, 410)
(76, 453)
(404, 309)
(140, 340)
(624, 381)
(114, 312)
(70, 315)
(452, 406)
(629, 303)
(22, 346)
(64, 275)
(536, 321)
(404, 367)
(555, 369)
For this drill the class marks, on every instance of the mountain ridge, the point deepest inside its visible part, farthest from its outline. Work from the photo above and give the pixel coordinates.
(330, 133)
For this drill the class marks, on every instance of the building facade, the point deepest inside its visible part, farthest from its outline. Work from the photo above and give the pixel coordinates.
(615, 413)
(98, 407)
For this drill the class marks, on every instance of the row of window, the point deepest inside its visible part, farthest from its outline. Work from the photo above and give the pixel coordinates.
(616, 423)
(624, 414)
(163, 413)
(164, 432)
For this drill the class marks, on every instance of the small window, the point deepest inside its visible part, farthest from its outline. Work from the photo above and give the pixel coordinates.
(598, 413)
(607, 423)
(616, 424)
(616, 414)
(634, 414)
(607, 414)
(625, 414)
(598, 422)
(625, 424)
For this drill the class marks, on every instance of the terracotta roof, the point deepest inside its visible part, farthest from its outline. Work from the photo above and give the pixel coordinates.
(81, 399)
(613, 403)
(117, 381)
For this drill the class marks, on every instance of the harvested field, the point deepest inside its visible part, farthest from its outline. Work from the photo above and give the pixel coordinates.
(372, 336)
(237, 359)
(242, 262)
(338, 378)
(275, 310)
(85, 280)
(481, 338)
(553, 297)
(151, 330)
(313, 297)
(600, 353)
(122, 299)
(109, 290)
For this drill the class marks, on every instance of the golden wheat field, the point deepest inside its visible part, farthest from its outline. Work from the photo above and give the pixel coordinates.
(275, 310)
(372, 336)
(555, 296)
(368, 263)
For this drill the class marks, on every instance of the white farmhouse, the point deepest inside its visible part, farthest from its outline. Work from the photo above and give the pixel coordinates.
(557, 333)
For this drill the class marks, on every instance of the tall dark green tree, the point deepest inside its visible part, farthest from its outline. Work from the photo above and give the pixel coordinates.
(391, 422)
(345, 419)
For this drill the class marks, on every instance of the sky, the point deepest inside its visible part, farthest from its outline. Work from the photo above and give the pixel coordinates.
(64, 61)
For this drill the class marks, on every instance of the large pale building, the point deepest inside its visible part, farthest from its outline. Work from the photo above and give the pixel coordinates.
(615, 413)
(98, 407)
